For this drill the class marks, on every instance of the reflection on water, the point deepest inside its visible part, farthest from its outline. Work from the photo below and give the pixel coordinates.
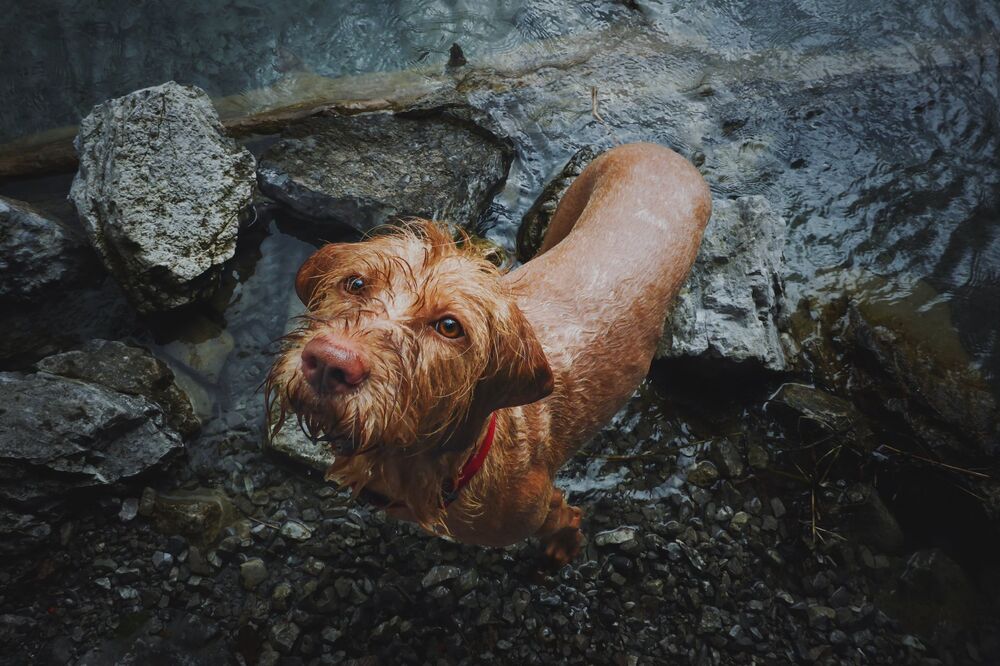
(872, 125)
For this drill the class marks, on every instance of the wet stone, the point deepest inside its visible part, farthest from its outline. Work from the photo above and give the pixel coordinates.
(129, 510)
(253, 572)
(440, 574)
(739, 521)
(280, 595)
(703, 473)
(757, 457)
(727, 458)
(710, 621)
(283, 636)
(162, 561)
(363, 170)
(820, 617)
(296, 531)
(616, 536)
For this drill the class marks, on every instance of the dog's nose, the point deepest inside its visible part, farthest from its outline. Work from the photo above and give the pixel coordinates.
(333, 365)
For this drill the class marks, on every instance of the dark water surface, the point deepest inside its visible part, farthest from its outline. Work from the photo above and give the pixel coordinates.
(872, 125)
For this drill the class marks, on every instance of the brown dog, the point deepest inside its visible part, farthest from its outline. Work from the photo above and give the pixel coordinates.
(451, 392)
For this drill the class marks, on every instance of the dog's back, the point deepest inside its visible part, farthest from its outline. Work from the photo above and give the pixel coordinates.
(617, 251)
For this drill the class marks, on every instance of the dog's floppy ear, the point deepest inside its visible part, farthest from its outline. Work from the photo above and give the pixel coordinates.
(316, 267)
(519, 372)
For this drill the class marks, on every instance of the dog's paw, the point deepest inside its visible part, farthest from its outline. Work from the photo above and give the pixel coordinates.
(562, 546)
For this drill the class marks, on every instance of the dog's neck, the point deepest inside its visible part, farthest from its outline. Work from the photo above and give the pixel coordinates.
(452, 488)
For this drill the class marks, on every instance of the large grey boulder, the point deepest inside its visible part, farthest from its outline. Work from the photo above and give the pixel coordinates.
(364, 170)
(728, 307)
(37, 253)
(159, 191)
(60, 435)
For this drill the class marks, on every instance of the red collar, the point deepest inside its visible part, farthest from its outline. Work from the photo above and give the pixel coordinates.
(451, 488)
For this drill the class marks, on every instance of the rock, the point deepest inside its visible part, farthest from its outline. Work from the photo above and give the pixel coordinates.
(728, 307)
(21, 532)
(129, 510)
(162, 561)
(280, 596)
(159, 191)
(253, 572)
(293, 443)
(703, 474)
(283, 636)
(932, 590)
(535, 222)
(199, 515)
(710, 621)
(296, 531)
(727, 458)
(926, 374)
(808, 407)
(60, 435)
(363, 170)
(820, 617)
(440, 574)
(130, 370)
(616, 536)
(38, 253)
(869, 521)
(198, 562)
(757, 456)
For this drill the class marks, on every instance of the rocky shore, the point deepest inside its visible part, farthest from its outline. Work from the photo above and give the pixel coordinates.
(803, 478)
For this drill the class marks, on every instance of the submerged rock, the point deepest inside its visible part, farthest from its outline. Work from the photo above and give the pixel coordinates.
(130, 370)
(934, 591)
(38, 253)
(869, 520)
(922, 370)
(199, 515)
(811, 409)
(58, 435)
(159, 191)
(364, 170)
(729, 306)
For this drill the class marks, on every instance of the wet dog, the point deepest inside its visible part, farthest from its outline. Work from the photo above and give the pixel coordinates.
(451, 392)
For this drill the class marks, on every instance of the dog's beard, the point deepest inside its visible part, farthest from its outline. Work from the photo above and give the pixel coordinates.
(389, 430)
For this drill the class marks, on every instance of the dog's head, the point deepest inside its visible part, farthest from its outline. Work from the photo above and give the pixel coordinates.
(410, 341)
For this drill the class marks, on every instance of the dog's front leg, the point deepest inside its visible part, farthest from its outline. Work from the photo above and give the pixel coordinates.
(560, 533)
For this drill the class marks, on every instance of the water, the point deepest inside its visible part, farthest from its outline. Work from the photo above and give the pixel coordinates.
(871, 125)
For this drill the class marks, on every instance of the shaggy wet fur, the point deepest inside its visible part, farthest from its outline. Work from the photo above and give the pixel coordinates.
(404, 426)
(580, 322)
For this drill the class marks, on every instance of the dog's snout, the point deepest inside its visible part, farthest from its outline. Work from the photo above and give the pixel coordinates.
(333, 365)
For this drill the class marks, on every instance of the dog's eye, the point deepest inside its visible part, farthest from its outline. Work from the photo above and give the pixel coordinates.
(354, 284)
(449, 328)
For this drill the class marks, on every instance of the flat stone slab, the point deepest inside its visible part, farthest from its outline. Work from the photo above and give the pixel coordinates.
(364, 170)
